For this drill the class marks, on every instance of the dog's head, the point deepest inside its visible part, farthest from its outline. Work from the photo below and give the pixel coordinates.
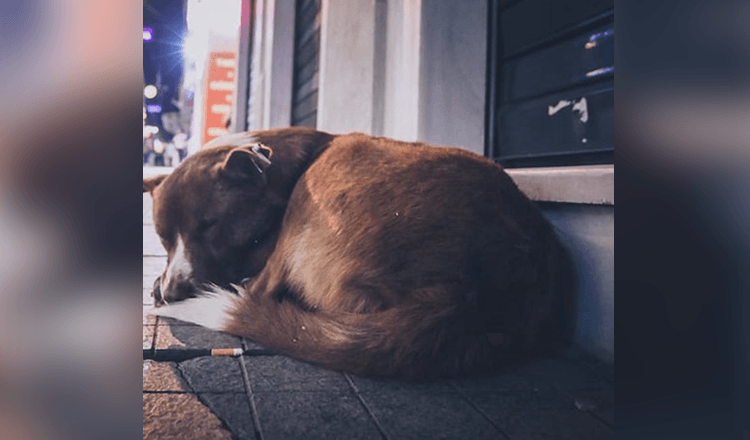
(214, 218)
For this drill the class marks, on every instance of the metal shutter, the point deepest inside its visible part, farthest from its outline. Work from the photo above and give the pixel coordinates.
(551, 82)
(306, 60)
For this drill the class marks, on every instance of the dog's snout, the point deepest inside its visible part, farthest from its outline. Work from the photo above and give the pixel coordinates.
(156, 292)
(172, 290)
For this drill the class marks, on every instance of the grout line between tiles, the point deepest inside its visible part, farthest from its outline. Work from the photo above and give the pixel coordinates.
(250, 395)
(572, 396)
(477, 409)
(367, 408)
(153, 337)
(594, 415)
(203, 401)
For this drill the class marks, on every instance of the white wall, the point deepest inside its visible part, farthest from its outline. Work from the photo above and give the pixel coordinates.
(272, 64)
(347, 57)
(588, 232)
(408, 69)
(402, 69)
(452, 73)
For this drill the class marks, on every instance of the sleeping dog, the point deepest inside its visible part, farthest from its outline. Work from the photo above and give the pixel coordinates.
(358, 253)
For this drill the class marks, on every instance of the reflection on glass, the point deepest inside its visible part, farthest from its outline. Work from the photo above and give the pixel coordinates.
(602, 71)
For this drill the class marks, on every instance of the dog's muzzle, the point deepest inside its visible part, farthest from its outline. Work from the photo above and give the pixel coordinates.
(176, 291)
(156, 293)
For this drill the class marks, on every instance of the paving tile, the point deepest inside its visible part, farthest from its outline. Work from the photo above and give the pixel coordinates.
(192, 336)
(213, 374)
(162, 376)
(148, 209)
(533, 399)
(558, 424)
(152, 268)
(148, 300)
(376, 384)
(234, 411)
(502, 381)
(594, 400)
(180, 417)
(608, 416)
(562, 374)
(148, 336)
(151, 244)
(313, 415)
(280, 373)
(148, 319)
(147, 284)
(417, 415)
(599, 402)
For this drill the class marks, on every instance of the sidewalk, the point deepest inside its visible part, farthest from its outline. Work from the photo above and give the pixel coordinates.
(274, 397)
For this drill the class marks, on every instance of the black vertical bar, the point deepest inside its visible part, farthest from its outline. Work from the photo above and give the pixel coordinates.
(492, 80)
(298, 6)
(244, 65)
(379, 68)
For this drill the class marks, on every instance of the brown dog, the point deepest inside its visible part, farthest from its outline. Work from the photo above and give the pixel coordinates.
(364, 254)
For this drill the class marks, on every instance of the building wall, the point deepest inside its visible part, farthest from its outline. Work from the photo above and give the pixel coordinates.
(588, 232)
(453, 73)
(401, 69)
(416, 70)
(347, 57)
(404, 69)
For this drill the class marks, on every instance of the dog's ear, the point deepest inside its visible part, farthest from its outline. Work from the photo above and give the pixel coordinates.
(247, 162)
(149, 183)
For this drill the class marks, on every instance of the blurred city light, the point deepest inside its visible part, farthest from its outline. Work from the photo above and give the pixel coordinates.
(150, 91)
(159, 146)
(149, 130)
(148, 34)
(195, 47)
(602, 71)
(218, 16)
(154, 108)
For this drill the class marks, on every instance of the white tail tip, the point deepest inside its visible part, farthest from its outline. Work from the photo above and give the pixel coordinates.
(210, 309)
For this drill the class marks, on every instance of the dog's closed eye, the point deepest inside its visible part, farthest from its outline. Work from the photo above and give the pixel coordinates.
(205, 226)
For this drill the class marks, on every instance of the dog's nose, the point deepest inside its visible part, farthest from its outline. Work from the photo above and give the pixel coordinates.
(172, 292)
(156, 293)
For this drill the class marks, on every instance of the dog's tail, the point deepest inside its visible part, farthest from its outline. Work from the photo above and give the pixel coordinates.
(417, 341)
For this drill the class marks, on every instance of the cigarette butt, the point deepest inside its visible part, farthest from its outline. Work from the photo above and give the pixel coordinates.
(226, 352)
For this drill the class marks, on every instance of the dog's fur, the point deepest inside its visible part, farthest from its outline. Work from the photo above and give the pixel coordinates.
(359, 253)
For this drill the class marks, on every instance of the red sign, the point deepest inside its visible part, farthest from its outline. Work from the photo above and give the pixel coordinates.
(219, 94)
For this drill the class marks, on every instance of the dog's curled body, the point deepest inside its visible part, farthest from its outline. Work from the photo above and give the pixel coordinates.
(399, 259)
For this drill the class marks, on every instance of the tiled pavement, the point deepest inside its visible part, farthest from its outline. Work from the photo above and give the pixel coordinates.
(274, 397)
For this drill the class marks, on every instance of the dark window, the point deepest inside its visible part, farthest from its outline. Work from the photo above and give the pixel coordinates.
(306, 59)
(551, 95)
